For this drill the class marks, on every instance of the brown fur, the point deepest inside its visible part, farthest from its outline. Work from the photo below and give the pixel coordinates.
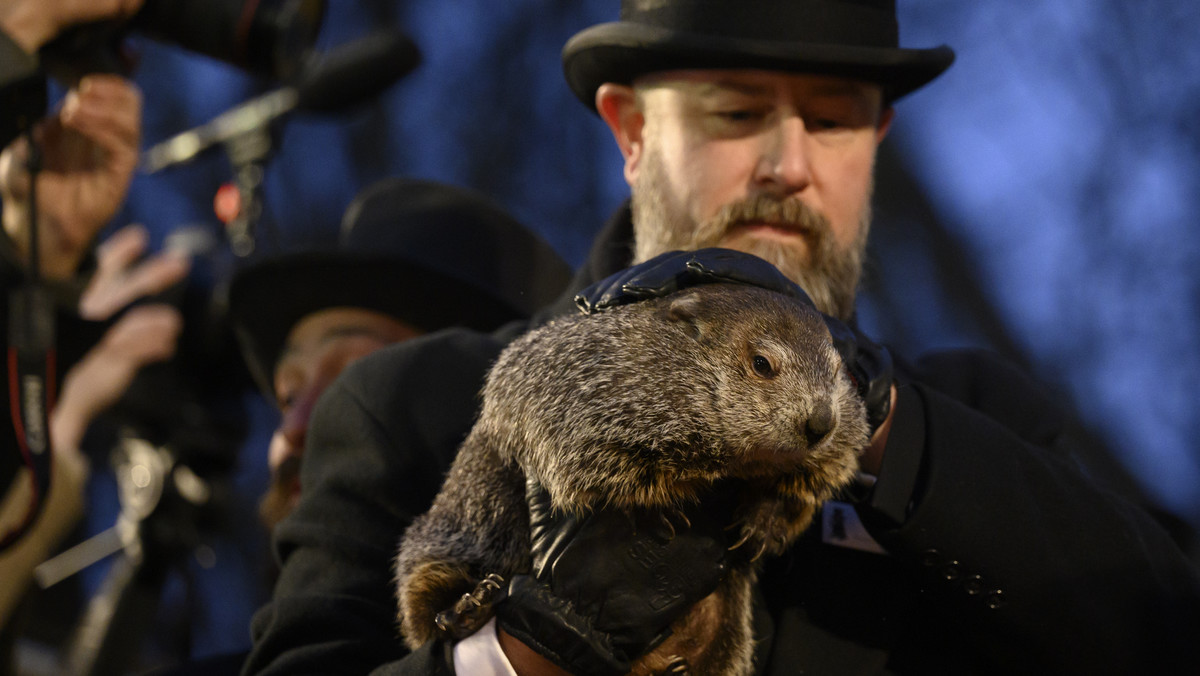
(647, 405)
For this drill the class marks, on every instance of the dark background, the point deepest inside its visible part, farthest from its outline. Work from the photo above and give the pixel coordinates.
(1038, 199)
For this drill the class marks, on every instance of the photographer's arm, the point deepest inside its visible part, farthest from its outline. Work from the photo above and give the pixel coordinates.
(144, 335)
(25, 26)
(89, 150)
(33, 23)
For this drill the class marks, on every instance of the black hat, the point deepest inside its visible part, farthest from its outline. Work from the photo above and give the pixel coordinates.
(856, 39)
(428, 254)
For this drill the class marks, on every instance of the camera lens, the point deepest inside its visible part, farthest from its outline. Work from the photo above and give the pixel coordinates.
(266, 37)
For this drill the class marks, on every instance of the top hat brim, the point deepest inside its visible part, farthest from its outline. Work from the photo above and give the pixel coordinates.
(620, 52)
(268, 300)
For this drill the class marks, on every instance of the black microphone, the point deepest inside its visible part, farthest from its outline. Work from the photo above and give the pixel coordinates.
(342, 78)
(356, 72)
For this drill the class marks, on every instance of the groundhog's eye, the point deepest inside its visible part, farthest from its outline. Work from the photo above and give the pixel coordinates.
(762, 366)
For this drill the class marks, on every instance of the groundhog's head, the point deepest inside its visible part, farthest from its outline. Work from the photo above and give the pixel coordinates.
(653, 402)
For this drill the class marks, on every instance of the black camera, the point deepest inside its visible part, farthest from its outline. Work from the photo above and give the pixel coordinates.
(269, 38)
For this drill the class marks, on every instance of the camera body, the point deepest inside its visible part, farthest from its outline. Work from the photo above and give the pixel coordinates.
(269, 38)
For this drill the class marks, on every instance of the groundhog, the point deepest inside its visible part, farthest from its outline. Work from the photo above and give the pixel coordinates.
(647, 405)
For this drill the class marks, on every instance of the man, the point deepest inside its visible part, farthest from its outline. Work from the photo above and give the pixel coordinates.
(413, 257)
(978, 541)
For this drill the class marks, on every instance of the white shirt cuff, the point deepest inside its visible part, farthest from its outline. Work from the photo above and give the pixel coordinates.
(480, 654)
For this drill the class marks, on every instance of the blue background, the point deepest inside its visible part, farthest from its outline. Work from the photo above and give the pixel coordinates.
(1039, 198)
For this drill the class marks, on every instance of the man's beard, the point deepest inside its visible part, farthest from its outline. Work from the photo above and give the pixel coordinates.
(827, 274)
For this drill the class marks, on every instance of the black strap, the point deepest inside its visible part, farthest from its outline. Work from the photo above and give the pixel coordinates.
(31, 372)
(31, 367)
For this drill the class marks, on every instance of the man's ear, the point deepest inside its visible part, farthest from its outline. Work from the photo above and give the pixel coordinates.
(618, 107)
(885, 123)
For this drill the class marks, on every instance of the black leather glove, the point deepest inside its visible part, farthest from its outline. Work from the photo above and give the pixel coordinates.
(868, 363)
(606, 586)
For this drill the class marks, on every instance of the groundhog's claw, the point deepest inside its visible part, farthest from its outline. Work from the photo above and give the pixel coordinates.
(762, 548)
(667, 522)
(743, 540)
(678, 666)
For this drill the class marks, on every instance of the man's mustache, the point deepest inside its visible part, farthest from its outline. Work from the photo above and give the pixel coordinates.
(790, 213)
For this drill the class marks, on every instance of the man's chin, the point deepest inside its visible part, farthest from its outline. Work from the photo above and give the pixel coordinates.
(279, 501)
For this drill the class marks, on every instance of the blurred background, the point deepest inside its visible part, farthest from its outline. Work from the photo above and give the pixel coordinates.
(1038, 199)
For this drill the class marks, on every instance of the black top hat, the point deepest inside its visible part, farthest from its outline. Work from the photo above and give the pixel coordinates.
(428, 254)
(857, 39)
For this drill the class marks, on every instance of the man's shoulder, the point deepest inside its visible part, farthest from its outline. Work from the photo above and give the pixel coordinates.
(420, 396)
(1000, 387)
(970, 371)
(445, 361)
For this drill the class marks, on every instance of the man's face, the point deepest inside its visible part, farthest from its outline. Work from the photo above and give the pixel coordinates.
(774, 164)
(318, 348)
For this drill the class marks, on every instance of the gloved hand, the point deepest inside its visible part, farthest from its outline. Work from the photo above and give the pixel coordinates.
(606, 586)
(868, 363)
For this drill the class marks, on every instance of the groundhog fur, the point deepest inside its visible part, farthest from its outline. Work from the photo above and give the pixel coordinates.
(647, 405)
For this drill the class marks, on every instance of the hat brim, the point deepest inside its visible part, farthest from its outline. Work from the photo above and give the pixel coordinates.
(620, 52)
(267, 301)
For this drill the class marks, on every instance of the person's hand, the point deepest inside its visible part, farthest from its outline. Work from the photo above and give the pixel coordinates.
(145, 334)
(675, 270)
(606, 586)
(33, 23)
(89, 153)
(122, 276)
(869, 364)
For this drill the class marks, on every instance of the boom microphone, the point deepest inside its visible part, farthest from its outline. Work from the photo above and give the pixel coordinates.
(356, 72)
(343, 78)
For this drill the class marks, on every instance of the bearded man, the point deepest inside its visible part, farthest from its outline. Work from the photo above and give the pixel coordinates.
(977, 541)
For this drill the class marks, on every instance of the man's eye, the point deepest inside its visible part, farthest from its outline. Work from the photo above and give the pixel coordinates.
(739, 115)
(825, 124)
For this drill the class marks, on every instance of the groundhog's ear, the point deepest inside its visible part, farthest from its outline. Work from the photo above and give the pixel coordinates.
(686, 310)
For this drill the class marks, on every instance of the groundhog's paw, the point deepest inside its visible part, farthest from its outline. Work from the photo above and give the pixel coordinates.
(770, 527)
(428, 590)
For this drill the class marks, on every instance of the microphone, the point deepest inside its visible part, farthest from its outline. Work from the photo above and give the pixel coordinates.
(343, 78)
(356, 72)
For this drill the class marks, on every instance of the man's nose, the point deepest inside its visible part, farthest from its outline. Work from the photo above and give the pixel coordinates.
(294, 426)
(785, 168)
(279, 450)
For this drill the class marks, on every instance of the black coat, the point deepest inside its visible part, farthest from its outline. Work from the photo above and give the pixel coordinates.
(22, 90)
(1007, 553)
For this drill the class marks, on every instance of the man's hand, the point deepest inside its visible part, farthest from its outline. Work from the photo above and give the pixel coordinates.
(122, 276)
(33, 23)
(606, 586)
(144, 335)
(89, 153)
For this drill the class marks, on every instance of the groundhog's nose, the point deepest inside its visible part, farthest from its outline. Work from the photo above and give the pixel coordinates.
(819, 423)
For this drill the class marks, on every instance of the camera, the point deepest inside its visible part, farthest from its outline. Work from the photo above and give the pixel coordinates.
(268, 38)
